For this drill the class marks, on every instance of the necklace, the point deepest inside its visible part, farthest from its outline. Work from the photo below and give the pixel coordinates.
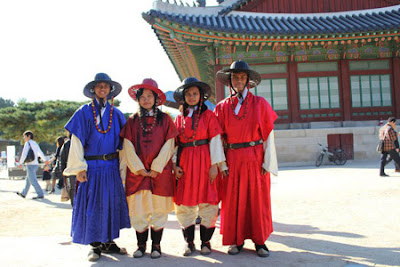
(196, 124)
(245, 109)
(146, 130)
(109, 122)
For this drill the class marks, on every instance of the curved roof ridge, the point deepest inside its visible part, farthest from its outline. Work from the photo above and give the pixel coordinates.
(179, 9)
(305, 15)
(266, 23)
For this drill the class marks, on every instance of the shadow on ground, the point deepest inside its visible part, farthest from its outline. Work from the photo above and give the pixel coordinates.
(389, 256)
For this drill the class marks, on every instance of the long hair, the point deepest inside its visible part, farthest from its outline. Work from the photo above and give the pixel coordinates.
(142, 111)
(60, 141)
(202, 108)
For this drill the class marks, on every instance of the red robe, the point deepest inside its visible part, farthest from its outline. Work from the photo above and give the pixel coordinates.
(194, 187)
(246, 200)
(147, 147)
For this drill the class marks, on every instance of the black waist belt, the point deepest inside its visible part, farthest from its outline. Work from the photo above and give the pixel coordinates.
(103, 157)
(195, 143)
(242, 145)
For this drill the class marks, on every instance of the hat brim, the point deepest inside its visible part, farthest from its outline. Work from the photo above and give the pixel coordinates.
(178, 94)
(116, 88)
(224, 77)
(133, 90)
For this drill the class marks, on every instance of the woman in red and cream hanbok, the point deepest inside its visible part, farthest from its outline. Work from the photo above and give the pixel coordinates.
(149, 142)
(199, 151)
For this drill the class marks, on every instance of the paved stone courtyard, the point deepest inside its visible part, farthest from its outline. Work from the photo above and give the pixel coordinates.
(327, 216)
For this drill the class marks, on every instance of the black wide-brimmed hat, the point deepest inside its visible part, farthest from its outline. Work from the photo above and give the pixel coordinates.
(239, 66)
(189, 82)
(102, 77)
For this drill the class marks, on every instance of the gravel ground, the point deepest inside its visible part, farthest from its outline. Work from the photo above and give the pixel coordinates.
(327, 216)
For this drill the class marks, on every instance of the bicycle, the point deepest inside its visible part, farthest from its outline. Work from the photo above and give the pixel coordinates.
(338, 156)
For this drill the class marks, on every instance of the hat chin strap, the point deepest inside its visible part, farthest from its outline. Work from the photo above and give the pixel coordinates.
(102, 101)
(232, 88)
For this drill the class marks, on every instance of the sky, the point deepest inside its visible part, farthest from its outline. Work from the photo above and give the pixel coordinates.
(50, 50)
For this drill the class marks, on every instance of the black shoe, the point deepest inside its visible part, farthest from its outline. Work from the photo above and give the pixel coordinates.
(156, 237)
(111, 247)
(262, 251)
(94, 254)
(189, 249)
(234, 249)
(20, 194)
(37, 197)
(51, 191)
(140, 251)
(384, 175)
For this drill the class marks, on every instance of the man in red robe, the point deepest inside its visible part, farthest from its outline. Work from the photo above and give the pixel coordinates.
(247, 122)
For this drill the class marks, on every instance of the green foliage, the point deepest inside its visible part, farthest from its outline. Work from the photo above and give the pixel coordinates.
(117, 102)
(45, 119)
(4, 103)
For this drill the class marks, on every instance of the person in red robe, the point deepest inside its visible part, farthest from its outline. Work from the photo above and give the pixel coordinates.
(199, 151)
(247, 122)
(149, 142)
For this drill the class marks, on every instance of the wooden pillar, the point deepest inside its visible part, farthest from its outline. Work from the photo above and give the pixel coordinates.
(345, 89)
(396, 85)
(293, 93)
(219, 87)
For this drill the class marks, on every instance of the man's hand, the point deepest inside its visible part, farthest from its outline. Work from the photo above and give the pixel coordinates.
(225, 173)
(213, 172)
(82, 176)
(263, 171)
(178, 172)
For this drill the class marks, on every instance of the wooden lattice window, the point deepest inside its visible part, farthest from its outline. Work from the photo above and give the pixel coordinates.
(273, 90)
(371, 90)
(319, 92)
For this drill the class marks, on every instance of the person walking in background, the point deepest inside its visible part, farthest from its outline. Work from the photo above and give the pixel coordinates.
(200, 150)
(100, 209)
(71, 179)
(149, 142)
(388, 135)
(56, 173)
(247, 122)
(32, 166)
(389, 158)
(47, 176)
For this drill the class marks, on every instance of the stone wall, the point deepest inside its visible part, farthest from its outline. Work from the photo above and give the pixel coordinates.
(300, 146)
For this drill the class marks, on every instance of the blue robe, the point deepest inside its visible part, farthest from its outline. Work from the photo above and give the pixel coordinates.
(100, 208)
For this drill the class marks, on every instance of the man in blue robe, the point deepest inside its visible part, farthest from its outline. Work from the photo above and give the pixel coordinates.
(100, 208)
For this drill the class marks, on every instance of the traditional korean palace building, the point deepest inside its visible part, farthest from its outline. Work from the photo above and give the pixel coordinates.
(331, 64)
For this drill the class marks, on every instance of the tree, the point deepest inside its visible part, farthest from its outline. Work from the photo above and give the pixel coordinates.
(45, 119)
(4, 103)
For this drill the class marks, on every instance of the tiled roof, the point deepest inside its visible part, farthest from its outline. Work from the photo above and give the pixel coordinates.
(288, 24)
(232, 6)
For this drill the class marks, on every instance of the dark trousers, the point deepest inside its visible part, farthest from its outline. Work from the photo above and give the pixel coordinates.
(393, 154)
(389, 159)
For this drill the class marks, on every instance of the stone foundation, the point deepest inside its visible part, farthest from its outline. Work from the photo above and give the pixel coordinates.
(300, 146)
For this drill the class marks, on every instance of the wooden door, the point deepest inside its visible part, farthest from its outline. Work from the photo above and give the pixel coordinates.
(342, 141)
